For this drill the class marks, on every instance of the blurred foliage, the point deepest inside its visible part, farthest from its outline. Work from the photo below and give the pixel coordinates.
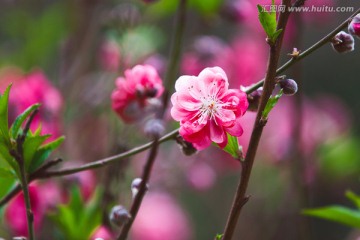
(34, 40)
(340, 158)
(78, 219)
(35, 152)
(339, 214)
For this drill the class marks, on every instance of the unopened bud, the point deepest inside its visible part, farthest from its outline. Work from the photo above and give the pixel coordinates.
(135, 186)
(288, 86)
(354, 26)
(154, 128)
(119, 215)
(254, 99)
(186, 147)
(343, 42)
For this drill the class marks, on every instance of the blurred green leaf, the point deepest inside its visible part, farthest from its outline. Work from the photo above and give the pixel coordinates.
(5, 185)
(14, 130)
(139, 43)
(271, 104)
(354, 198)
(340, 158)
(7, 173)
(4, 102)
(233, 147)
(219, 236)
(338, 214)
(44, 152)
(78, 219)
(34, 39)
(30, 146)
(206, 8)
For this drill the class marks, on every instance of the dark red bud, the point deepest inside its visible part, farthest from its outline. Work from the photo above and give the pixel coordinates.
(288, 86)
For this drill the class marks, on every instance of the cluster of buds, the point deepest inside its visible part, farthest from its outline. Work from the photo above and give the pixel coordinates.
(344, 42)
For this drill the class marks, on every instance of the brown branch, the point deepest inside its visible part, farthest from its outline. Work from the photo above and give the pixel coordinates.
(240, 198)
(142, 190)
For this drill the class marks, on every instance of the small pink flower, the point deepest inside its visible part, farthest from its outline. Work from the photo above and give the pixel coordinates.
(133, 94)
(110, 55)
(207, 109)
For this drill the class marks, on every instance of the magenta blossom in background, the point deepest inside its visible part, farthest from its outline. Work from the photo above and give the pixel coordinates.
(134, 93)
(160, 217)
(207, 109)
(101, 233)
(42, 197)
(110, 55)
(30, 89)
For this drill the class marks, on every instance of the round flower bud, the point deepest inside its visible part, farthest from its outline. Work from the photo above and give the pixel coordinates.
(254, 99)
(135, 186)
(288, 86)
(343, 42)
(119, 215)
(354, 26)
(154, 128)
(186, 147)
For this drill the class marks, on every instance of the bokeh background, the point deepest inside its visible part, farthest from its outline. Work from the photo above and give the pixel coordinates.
(67, 54)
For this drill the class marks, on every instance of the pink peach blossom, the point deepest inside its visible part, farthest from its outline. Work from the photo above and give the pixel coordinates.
(30, 89)
(207, 109)
(134, 92)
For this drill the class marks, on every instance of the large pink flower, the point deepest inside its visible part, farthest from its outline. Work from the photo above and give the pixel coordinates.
(207, 109)
(133, 94)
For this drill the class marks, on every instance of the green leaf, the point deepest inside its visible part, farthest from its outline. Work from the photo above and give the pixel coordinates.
(6, 185)
(14, 130)
(276, 35)
(4, 125)
(268, 22)
(354, 198)
(233, 147)
(44, 152)
(6, 160)
(30, 147)
(7, 173)
(219, 236)
(338, 214)
(206, 8)
(271, 104)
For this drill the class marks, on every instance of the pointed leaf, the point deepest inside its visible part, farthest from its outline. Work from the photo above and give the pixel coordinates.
(338, 214)
(14, 130)
(233, 147)
(354, 198)
(7, 173)
(4, 125)
(267, 20)
(6, 185)
(30, 147)
(44, 152)
(271, 104)
(276, 35)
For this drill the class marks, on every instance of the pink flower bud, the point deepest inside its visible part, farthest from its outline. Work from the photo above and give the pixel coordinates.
(343, 42)
(288, 86)
(119, 215)
(354, 26)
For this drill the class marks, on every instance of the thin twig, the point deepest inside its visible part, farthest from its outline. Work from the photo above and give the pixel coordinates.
(240, 197)
(142, 190)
